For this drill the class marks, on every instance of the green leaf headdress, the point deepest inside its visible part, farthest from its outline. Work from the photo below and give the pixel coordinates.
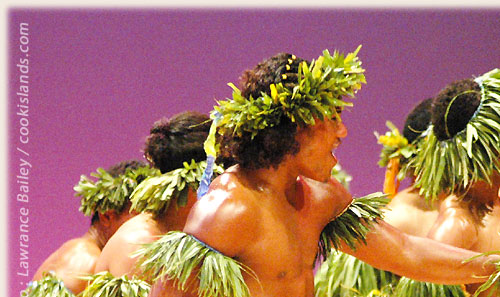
(319, 91)
(49, 285)
(395, 145)
(469, 156)
(156, 192)
(396, 152)
(108, 192)
(321, 86)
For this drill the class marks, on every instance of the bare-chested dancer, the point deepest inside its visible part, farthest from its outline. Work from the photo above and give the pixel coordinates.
(77, 257)
(408, 210)
(469, 218)
(257, 213)
(171, 143)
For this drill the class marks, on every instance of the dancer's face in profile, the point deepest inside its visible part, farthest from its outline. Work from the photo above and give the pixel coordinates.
(317, 145)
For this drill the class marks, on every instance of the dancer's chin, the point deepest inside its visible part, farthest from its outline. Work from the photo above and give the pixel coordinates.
(334, 159)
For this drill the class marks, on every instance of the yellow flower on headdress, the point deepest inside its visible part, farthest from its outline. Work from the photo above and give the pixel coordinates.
(322, 86)
(393, 138)
(274, 93)
(395, 148)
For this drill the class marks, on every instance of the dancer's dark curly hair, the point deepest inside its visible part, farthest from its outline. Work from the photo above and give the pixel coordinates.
(176, 140)
(270, 146)
(417, 120)
(120, 168)
(448, 119)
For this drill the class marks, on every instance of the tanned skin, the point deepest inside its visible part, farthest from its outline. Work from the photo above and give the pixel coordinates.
(460, 224)
(410, 212)
(144, 228)
(452, 220)
(171, 141)
(77, 257)
(256, 217)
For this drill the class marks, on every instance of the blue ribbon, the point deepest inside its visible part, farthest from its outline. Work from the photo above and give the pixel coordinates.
(206, 178)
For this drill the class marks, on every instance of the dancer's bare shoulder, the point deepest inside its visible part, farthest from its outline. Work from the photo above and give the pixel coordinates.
(455, 225)
(227, 216)
(75, 258)
(116, 256)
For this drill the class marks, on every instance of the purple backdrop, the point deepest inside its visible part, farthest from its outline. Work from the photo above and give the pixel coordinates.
(98, 79)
